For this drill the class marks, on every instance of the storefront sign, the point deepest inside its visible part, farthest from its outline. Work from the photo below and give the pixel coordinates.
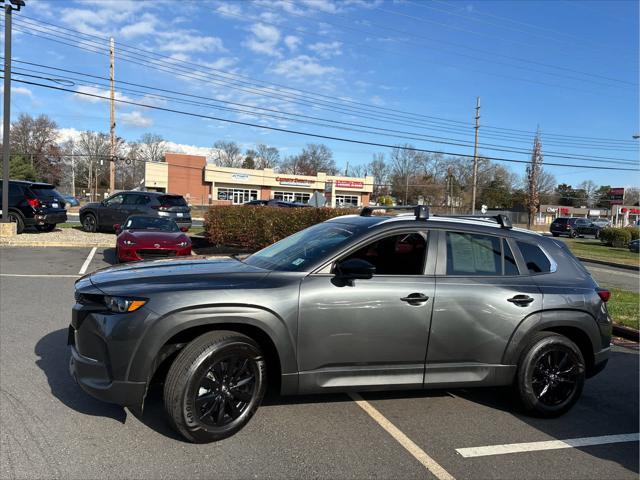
(240, 176)
(294, 182)
(349, 184)
(551, 210)
(616, 196)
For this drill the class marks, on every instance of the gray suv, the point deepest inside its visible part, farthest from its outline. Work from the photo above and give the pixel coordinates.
(118, 207)
(359, 302)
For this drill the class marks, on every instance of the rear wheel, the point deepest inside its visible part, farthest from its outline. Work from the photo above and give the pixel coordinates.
(573, 234)
(89, 223)
(214, 386)
(46, 228)
(17, 218)
(550, 375)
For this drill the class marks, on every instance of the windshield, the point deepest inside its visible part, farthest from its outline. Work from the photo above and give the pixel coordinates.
(151, 223)
(303, 249)
(172, 201)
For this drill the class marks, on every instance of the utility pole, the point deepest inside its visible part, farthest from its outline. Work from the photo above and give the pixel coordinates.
(112, 119)
(475, 160)
(73, 175)
(6, 147)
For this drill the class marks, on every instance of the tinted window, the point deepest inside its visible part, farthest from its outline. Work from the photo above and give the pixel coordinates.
(510, 267)
(172, 201)
(400, 254)
(473, 254)
(45, 192)
(561, 221)
(115, 200)
(534, 257)
(136, 199)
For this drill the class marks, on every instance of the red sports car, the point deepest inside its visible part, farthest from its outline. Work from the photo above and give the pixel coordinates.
(143, 237)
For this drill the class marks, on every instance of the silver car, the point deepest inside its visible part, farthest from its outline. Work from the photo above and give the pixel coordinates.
(368, 302)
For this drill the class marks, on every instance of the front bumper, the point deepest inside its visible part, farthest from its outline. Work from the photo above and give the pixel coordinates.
(135, 254)
(102, 346)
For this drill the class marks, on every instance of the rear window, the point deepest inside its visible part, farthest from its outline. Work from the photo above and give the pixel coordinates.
(535, 259)
(172, 201)
(45, 192)
(560, 220)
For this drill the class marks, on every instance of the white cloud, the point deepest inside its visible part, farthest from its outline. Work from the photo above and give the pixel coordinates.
(229, 9)
(302, 66)
(265, 39)
(326, 49)
(186, 41)
(145, 26)
(377, 100)
(292, 42)
(18, 91)
(221, 63)
(85, 92)
(322, 5)
(136, 119)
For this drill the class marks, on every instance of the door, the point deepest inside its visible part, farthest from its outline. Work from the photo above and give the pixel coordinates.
(483, 292)
(368, 334)
(109, 212)
(133, 204)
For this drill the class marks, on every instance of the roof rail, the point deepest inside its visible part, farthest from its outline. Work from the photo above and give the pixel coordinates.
(420, 211)
(501, 219)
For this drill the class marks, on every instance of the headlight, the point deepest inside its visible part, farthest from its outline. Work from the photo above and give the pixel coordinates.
(128, 242)
(123, 304)
(183, 243)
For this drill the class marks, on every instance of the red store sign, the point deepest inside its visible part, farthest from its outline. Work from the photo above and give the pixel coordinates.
(349, 184)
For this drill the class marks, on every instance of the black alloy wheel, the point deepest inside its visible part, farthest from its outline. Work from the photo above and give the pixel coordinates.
(89, 223)
(215, 385)
(555, 377)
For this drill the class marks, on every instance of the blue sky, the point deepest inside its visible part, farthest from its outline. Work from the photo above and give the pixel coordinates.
(569, 67)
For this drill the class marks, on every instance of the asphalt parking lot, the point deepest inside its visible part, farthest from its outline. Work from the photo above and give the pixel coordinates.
(49, 428)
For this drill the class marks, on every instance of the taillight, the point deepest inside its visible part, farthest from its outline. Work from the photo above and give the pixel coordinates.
(604, 294)
(34, 202)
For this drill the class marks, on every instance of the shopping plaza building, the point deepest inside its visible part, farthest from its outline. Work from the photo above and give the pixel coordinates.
(203, 183)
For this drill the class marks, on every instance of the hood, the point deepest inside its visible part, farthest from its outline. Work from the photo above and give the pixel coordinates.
(148, 238)
(146, 277)
(90, 205)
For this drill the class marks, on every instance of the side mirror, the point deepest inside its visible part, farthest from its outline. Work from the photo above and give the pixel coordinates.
(355, 269)
(184, 229)
(118, 228)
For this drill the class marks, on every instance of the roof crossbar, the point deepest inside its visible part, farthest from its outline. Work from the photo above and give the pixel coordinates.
(420, 211)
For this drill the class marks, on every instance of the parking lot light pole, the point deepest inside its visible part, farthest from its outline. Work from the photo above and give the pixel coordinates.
(6, 148)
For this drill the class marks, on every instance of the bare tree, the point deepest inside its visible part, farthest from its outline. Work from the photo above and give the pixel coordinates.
(358, 171)
(266, 156)
(589, 188)
(36, 139)
(379, 170)
(533, 177)
(151, 148)
(226, 154)
(314, 158)
(95, 150)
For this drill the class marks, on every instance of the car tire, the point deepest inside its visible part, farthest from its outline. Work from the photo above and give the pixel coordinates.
(46, 228)
(573, 234)
(19, 221)
(89, 223)
(550, 375)
(214, 386)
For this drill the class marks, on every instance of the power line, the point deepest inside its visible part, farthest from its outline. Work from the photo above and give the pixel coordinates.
(314, 135)
(377, 130)
(172, 63)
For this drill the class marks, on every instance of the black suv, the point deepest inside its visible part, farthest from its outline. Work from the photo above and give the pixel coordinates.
(574, 226)
(117, 208)
(35, 204)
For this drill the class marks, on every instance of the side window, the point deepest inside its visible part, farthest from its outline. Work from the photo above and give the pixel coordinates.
(142, 200)
(473, 254)
(114, 201)
(130, 199)
(535, 258)
(400, 254)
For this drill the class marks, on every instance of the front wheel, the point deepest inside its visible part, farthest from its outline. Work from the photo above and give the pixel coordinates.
(89, 223)
(214, 386)
(573, 234)
(551, 375)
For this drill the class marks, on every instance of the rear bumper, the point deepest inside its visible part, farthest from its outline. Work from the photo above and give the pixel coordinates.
(48, 218)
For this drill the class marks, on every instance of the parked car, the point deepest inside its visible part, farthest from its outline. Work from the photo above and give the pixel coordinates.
(34, 204)
(574, 227)
(359, 302)
(143, 237)
(634, 246)
(71, 200)
(602, 222)
(117, 208)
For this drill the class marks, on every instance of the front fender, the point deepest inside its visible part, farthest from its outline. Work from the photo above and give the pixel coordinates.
(548, 320)
(164, 328)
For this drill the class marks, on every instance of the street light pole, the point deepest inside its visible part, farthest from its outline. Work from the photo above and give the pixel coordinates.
(6, 147)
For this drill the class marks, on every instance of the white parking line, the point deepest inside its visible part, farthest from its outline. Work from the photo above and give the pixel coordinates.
(547, 445)
(86, 263)
(419, 454)
(37, 276)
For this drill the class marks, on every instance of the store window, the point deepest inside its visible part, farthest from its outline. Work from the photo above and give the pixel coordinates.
(292, 197)
(238, 196)
(347, 200)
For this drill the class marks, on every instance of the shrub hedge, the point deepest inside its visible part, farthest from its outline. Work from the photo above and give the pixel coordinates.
(616, 237)
(634, 232)
(252, 228)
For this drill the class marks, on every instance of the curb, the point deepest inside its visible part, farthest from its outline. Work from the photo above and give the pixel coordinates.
(610, 264)
(626, 332)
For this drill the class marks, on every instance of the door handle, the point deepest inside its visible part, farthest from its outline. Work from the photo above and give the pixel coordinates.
(415, 298)
(521, 300)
